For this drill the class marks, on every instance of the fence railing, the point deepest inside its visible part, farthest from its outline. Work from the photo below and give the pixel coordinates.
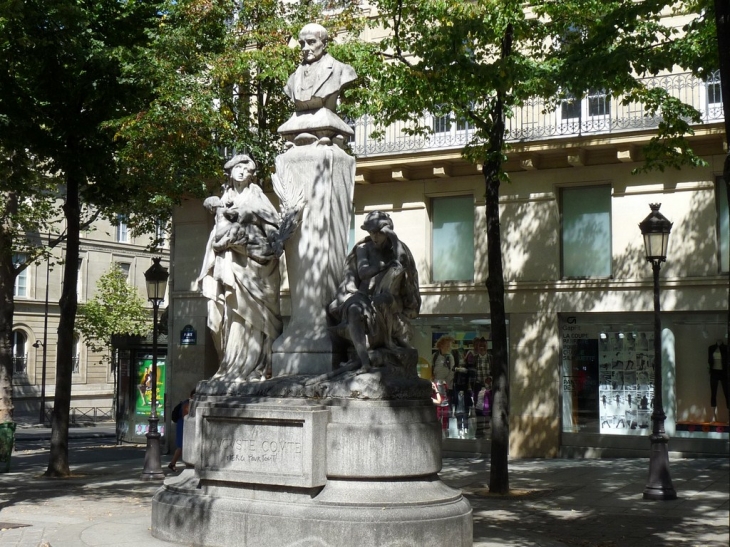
(595, 114)
(84, 414)
(20, 364)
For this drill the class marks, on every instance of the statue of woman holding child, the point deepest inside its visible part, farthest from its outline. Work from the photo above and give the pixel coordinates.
(240, 275)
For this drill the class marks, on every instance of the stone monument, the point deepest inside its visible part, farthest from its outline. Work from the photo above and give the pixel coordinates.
(341, 446)
(316, 175)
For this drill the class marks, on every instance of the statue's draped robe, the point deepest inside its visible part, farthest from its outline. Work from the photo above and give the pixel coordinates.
(243, 294)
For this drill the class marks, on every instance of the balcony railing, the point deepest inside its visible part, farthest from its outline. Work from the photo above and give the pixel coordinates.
(20, 364)
(595, 114)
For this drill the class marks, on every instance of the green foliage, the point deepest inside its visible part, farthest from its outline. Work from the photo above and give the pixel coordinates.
(28, 206)
(64, 74)
(61, 78)
(218, 70)
(696, 49)
(445, 57)
(115, 309)
(479, 60)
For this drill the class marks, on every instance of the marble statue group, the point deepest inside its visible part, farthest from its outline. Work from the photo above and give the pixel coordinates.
(377, 294)
(319, 430)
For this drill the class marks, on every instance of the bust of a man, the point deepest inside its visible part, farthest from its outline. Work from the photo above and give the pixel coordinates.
(320, 77)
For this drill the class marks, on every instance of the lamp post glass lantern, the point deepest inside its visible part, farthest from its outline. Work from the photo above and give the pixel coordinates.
(656, 228)
(156, 278)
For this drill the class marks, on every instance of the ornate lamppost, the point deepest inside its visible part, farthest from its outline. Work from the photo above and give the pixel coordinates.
(655, 228)
(156, 278)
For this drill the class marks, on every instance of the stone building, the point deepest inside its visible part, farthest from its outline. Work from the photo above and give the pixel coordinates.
(96, 381)
(578, 288)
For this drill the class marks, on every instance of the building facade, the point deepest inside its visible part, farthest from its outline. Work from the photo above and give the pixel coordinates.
(96, 380)
(579, 292)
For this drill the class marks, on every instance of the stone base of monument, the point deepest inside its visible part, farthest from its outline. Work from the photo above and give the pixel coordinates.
(301, 472)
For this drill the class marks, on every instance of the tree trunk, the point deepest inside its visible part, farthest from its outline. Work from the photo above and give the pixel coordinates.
(58, 460)
(722, 23)
(499, 469)
(7, 284)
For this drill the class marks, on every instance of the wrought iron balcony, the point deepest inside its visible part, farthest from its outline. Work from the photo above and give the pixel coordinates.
(596, 114)
(20, 364)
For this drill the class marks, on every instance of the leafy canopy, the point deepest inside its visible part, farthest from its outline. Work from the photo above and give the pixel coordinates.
(116, 309)
(218, 70)
(446, 57)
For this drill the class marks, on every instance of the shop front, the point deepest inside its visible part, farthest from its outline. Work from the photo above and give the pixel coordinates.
(455, 354)
(607, 382)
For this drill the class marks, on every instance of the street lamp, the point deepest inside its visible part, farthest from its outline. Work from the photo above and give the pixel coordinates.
(38, 344)
(42, 414)
(655, 228)
(156, 278)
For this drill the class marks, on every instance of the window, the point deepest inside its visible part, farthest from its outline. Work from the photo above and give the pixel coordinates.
(124, 267)
(714, 95)
(452, 239)
(75, 355)
(19, 352)
(122, 230)
(586, 231)
(79, 281)
(333, 4)
(576, 114)
(599, 103)
(352, 124)
(21, 280)
(463, 125)
(723, 225)
(442, 124)
(569, 109)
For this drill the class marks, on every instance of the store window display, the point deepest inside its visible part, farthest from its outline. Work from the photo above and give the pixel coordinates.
(626, 383)
(607, 379)
(455, 355)
(444, 360)
(454, 367)
(480, 361)
(717, 360)
(607, 368)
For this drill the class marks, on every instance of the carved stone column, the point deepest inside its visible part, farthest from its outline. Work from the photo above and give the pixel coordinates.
(324, 177)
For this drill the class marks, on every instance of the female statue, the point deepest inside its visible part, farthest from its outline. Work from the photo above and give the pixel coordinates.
(240, 275)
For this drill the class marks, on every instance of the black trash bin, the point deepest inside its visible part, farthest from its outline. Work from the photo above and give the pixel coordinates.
(7, 439)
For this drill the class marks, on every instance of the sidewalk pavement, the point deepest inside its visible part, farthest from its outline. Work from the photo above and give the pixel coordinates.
(553, 503)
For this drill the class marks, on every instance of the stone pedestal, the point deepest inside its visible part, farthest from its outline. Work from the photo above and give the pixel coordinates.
(323, 175)
(291, 472)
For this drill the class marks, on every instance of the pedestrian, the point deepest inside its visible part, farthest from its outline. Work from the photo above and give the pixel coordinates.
(184, 408)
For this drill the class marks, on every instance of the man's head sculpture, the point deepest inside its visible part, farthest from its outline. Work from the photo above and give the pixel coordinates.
(376, 221)
(313, 39)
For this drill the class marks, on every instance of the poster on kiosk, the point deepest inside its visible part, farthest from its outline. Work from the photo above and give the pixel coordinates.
(142, 396)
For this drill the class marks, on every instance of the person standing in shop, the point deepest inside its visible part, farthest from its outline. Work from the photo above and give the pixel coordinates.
(717, 360)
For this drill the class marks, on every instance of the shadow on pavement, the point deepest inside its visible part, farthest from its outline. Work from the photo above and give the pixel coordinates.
(596, 503)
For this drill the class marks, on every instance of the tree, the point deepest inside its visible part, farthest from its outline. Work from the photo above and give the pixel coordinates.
(705, 48)
(722, 32)
(132, 104)
(477, 61)
(116, 309)
(63, 75)
(218, 70)
(24, 214)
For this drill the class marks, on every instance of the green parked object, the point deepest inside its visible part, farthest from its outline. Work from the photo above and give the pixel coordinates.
(7, 439)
